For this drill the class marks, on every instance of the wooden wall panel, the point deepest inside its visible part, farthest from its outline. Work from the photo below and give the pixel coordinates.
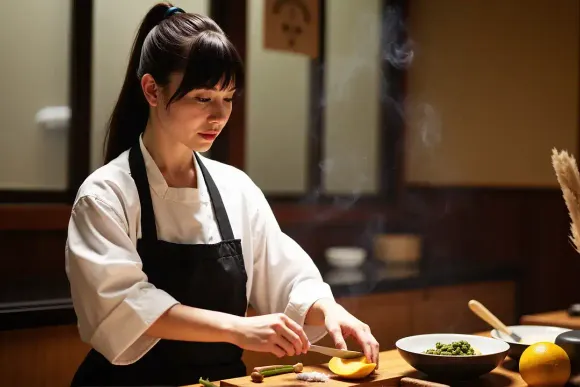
(230, 146)
(444, 309)
(461, 226)
(469, 224)
(32, 265)
(525, 227)
(42, 357)
(528, 228)
(550, 263)
(390, 316)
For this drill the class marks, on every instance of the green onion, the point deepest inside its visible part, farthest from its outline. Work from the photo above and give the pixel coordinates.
(206, 383)
(278, 371)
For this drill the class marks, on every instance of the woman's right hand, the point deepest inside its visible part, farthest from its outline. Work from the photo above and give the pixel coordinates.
(274, 333)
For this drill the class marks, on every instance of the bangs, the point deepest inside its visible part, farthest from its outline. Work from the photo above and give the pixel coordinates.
(213, 62)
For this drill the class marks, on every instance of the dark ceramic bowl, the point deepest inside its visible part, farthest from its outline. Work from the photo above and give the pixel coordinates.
(530, 334)
(570, 342)
(493, 352)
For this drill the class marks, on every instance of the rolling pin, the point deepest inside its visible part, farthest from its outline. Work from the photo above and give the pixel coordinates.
(412, 382)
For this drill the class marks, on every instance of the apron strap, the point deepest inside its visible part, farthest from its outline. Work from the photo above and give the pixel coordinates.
(219, 209)
(148, 225)
(139, 174)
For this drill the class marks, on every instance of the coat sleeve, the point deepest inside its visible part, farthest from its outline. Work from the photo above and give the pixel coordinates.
(113, 301)
(285, 279)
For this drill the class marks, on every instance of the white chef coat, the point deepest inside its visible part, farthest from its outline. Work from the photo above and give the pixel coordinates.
(113, 301)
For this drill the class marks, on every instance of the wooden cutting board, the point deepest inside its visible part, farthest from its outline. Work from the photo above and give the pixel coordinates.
(559, 318)
(391, 369)
(387, 377)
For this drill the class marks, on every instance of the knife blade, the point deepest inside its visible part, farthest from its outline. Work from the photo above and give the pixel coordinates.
(333, 352)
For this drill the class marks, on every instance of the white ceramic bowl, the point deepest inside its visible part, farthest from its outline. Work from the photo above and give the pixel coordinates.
(493, 352)
(530, 334)
(345, 257)
(344, 277)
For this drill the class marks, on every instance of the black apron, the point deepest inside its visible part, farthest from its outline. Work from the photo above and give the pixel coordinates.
(209, 276)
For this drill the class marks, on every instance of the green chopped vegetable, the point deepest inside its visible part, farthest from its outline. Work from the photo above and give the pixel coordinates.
(278, 371)
(206, 383)
(456, 348)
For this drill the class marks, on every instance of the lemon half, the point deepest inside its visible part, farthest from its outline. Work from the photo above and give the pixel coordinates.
(357, 368)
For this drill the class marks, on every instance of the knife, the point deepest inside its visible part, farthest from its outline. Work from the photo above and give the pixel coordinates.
(333, 352)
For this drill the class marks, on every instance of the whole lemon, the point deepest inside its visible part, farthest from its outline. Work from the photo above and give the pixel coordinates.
(545, 364)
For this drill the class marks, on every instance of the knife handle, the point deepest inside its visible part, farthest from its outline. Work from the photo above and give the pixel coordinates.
(333, 352)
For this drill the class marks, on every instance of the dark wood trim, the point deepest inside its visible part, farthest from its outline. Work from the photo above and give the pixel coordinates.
(80, 94)
(397, 217)
(326, 199)
(229, 148)
(32, 196)
(393, 91)
(32, 217)
(449, 189)
(334, 211)
(36, 314)
(290, 214)
(315, 152)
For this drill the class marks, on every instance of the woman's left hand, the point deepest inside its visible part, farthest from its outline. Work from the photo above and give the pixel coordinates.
(341, 325)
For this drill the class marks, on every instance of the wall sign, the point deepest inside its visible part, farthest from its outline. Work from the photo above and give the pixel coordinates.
(292, 25)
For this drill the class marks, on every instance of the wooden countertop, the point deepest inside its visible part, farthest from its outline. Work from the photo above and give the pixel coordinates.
(558, 318)
(392, 368)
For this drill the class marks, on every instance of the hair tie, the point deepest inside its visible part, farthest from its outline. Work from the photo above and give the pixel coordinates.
(173, 10)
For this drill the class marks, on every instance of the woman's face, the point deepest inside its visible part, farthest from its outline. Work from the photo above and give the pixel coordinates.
(196, 119)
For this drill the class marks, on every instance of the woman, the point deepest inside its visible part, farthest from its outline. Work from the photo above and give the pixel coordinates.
(166, 248)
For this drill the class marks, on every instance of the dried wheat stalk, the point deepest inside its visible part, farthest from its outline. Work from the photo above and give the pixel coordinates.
(569, 179)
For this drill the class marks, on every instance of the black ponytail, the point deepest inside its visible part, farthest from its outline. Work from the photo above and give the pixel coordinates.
(183, 42)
